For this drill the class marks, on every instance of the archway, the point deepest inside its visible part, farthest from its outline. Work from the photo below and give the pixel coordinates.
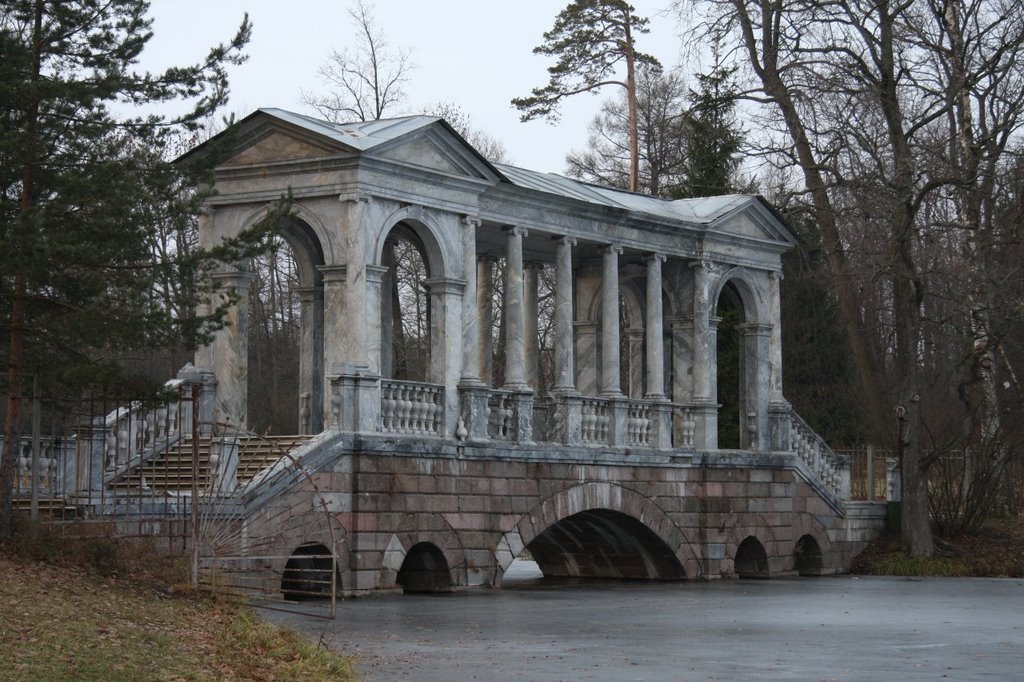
(602, 543)
(285, 334)
(730, 361)
(307, 575)
(751, 559)
(405, 306)
(424, 570)
(808, 558)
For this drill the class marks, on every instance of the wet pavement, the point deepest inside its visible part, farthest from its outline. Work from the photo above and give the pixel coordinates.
(838, 628)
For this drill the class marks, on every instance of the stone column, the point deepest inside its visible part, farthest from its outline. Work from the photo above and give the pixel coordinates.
(485, 315)
(470, 309)
(775, 319)
(754, 403)
(229, 351)
(586, 353)
(335, 278)
(515, 349)
(371, 321)
(311, 383)
(634, 362)
(565, 380)
(655, 330)
(446, 354)
(610, 361)
(531, 345)
(703, 340)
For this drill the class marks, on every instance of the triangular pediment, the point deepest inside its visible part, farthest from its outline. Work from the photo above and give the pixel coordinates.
(277, 145)
(753, 218)
(437, 148)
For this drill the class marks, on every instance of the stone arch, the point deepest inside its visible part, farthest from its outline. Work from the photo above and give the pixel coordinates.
(749, 291)
(807, 556)
(424, 529)
(420, 222)
(424, 569)
(751, 559)
(742, 527)
(307, 573)
(592, 496)
(808, 527)
(305, 237)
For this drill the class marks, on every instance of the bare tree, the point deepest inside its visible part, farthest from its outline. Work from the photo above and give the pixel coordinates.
(366, 81)
(490, 147)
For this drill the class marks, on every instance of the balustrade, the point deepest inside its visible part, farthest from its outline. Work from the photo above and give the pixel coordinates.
(500, 414)
(638, 425)
(816, 454)
(411, 408)
(596, 421)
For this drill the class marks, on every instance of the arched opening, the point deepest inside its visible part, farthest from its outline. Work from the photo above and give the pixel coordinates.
(601, 543)
(424, 570)
(751, 559)
(307, 575)
(730, 314)
(285, 335)
(808, 556)
(405, 309)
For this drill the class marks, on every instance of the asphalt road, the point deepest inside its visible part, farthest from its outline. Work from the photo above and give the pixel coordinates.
(838, 628)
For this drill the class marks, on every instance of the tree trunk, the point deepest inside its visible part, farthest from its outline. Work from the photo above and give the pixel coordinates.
(634, 137)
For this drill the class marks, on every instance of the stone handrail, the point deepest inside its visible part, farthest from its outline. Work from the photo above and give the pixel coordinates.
(500, 412)
(52, 451)
(638, 424)
(411, 408)
(830, 469)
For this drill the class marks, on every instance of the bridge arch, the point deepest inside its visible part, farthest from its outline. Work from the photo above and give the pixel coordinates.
(600, 529)
(425, 546)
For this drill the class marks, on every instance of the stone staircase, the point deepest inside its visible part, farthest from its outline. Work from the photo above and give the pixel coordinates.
(171, 472)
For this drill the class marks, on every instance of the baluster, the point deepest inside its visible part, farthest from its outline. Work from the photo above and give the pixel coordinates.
(389, 407)
(403, 422)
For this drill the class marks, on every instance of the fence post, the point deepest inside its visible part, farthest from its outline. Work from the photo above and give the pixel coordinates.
(870, 456)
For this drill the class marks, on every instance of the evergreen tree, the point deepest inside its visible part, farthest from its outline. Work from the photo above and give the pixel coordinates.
(713, 136)
(590, 38)
(86, 187)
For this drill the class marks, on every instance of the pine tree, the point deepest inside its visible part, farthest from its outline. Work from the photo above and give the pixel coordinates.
(590, 38)
(86, 188)
(713, 137)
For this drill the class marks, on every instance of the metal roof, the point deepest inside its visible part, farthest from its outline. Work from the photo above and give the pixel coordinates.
(365, 135)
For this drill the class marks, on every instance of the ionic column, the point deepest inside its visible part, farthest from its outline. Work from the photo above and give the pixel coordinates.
(335, 279)
(371, 319)
(531, 350)
(485, 315)
(655, 330)
(565, 380)
(515, 313)
(229, 351)
(446, 297)
(754, 403)
(610, 361)
(470, 306)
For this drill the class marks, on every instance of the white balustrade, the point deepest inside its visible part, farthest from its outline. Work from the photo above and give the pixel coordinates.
(816, 454)
(638, 424)
(595, 421)
(500, 413)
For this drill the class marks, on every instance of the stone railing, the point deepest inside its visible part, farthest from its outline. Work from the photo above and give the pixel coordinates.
(831, 470)
(49, 474)
(411, 408)
(596, 421)
(685, 426)
(639, 422)
(500, 414)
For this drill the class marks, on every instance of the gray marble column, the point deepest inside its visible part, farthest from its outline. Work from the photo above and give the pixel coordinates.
(446, 343)
(372, 338)
(470, 374)
(515, 350)
(610, 361)
(655, 330)
(703, 337)
(634, 362)
(335, 278)
(565, 380)
(310, 359)
(775, 319)
(230, 349)
(531, 342)
(485, 314)
(754, 403)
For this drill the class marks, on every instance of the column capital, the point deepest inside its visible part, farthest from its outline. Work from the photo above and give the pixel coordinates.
(566, 240)
(333, 273)
(654, 257)
(517, 230)
(354, 197)
(755, 328)
(445, 285)
(375, 273)
(611, 248)
(702, 260)
(776, 275)
(471, 221)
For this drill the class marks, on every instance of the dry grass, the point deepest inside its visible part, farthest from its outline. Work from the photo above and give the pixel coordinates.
(996, 551)
(103, 611)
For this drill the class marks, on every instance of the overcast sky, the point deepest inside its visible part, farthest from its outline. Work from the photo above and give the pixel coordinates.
(476, 54)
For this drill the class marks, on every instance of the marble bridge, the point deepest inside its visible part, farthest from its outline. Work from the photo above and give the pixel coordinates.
(591, 431)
